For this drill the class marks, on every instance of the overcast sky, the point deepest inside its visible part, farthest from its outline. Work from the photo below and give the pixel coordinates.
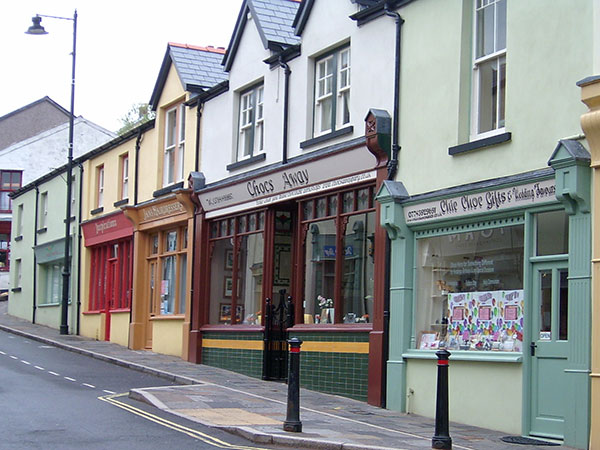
(120, 47)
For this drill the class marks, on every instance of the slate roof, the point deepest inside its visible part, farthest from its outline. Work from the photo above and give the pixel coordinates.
(274, 21)
(198, 68)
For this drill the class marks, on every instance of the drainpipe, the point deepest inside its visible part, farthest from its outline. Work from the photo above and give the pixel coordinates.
(79, 235)
(198, 119)
(35, 227)
(393, 163)
(138, 142)
(392, 169)
(286, 90)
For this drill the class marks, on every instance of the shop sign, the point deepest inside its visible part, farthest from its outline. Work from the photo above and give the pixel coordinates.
(487, 201)
(271, 186)
(296, 193)
(51, 251)
(115, 226)
(158, 211)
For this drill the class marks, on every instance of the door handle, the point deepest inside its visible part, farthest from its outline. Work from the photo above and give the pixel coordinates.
(532, 348)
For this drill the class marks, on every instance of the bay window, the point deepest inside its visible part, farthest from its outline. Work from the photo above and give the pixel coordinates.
(332, 91)
(339, 257)
(489, 66)
(10, 181)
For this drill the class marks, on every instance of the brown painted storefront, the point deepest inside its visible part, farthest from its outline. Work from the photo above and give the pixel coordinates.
(161, 273)
(295, 250)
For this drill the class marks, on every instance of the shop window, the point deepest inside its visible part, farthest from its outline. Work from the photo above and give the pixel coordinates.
(4, 252)
(332, 91)
(469, 290)
(52, 283)
(174, 145)
(10, 181)
(236, 270)
(251, 139)
(339, 257)
(489, 67)
(552, 233)
(167, 265)
(110, 276)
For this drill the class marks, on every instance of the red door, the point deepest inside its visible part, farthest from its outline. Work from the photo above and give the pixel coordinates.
(110, 293)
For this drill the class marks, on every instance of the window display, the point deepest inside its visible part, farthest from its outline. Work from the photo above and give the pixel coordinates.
(470, 290)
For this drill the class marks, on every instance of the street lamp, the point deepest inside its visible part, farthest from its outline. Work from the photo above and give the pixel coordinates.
(37, 29)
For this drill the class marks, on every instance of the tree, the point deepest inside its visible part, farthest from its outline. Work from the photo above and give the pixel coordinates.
(138, 114)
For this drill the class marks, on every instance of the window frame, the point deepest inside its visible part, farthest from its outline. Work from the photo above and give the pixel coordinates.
(124, 165)
(5, 191)
(498, 57)
(339, 95)
(5, 250)
(19, 224)
(18, 273)
(100, 186)
(251, 120)
(43, 212)
(174, 152)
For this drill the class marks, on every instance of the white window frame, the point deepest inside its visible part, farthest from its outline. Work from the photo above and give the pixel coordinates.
(332, 85)
(43, 213)
(17, 268)
(100, 188)
(124, 176)
(496, 57)
(251, 123)
(20, 212)
(174, 145)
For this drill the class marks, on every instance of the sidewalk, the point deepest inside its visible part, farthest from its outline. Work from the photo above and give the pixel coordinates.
(256, 409)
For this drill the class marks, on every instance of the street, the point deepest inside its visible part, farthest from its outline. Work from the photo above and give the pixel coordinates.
(56, 399)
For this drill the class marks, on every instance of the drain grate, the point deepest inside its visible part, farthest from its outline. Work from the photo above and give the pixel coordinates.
(526, 441)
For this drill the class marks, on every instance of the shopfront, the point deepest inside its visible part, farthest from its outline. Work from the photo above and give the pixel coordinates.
(498, 274)
(109, 262)
(161, 273)
(293, 252)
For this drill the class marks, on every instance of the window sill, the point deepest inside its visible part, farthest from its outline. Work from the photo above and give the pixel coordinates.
(93, 212)
(120, 310)
(247, 162)
(480, 143)
(458, 355)
(19, 238)
(167, 189)
(42, 230)
(72, 219)
(17, 289)
(121, 202)
(168, 317)
(336, 327)
(327, 137)
(232, 328)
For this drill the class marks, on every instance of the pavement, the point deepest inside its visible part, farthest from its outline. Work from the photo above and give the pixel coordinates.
(256, 409)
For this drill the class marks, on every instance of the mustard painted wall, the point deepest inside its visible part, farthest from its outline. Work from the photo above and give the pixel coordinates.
(92, 326)
(119, 328)
(167, 336)
(482, 394)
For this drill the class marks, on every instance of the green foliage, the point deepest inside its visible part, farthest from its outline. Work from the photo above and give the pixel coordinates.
(138, 114)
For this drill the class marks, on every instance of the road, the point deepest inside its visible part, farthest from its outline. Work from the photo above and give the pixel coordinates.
(55, 399)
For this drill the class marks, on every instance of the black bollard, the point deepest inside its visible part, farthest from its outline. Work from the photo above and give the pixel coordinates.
(442, 439)
(292, 421)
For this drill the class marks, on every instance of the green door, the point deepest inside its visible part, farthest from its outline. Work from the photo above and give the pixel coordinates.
(549, 348)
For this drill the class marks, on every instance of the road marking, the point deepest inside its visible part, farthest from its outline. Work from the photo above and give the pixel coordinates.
(108, 392)
(206, 438)
(13, 357)
(2, 353)
(88, 385)
(25, 362)
(39, 368)
(45, 346)
(54, 373)
(69, 378)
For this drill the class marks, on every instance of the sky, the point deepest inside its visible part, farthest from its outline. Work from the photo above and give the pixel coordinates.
(120, 48)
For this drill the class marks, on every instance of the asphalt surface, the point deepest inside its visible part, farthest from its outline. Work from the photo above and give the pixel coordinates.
(255, 409)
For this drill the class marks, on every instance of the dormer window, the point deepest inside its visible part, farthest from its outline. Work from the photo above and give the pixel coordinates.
(251, 139)
(332, 91)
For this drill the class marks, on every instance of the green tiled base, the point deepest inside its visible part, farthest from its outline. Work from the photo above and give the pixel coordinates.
(247, 362)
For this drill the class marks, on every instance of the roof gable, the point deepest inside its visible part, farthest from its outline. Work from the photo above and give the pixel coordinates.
(273, 19)
(198, 68)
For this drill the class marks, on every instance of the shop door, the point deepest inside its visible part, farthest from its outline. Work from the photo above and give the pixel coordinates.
(279, 314)
(152, 300)
(549, 349)
(111, 295)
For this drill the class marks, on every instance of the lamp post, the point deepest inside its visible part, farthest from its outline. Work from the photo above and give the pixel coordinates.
(37, 29)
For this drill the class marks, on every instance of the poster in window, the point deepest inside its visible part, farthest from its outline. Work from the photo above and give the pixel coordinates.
(229, 259)
(227, 287)
(225, 313)
(283, 264)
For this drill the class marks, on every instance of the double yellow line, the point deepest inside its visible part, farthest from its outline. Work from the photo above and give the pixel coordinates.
(112, 399)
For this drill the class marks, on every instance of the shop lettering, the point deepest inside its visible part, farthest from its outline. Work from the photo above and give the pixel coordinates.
(159, 211)
(295, 179)
(219, 199)
(102, 227)
(543, 192)
(450, 206)
(469, 202)
(260, 188)
(495, 199)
